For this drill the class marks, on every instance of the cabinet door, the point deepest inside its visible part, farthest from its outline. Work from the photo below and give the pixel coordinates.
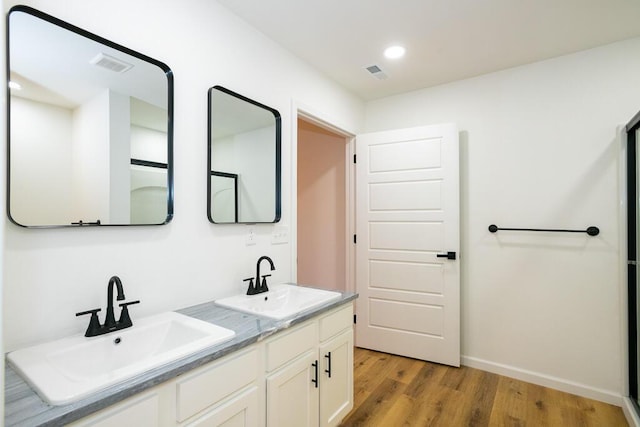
(292, 397)
(336, 385)
(240, 411)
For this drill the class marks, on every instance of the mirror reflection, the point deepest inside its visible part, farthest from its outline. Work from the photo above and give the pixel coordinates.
(243, 160)
(90, 134)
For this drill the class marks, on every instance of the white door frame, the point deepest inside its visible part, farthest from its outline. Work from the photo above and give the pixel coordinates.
(300, 110)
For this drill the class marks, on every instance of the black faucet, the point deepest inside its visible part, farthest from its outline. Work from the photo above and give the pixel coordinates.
(259, 287)
(110, 320)
(110, 323)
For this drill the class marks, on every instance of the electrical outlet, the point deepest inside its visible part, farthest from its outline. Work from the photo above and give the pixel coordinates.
(280, 235)
(251, 237)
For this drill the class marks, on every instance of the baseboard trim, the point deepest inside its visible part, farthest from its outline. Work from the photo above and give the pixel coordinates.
(629, 412)
(583, 390)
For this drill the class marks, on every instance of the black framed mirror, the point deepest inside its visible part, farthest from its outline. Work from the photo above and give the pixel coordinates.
(243, 161)
(89, 128)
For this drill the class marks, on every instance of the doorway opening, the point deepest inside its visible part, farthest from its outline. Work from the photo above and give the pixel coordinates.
(324, 205)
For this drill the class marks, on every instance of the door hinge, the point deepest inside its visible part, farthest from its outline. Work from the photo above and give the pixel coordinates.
(355, 239)
(632, 262)
(354, 319)
(354, 158)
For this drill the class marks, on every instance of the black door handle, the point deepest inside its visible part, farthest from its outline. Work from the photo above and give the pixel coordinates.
(448, 255)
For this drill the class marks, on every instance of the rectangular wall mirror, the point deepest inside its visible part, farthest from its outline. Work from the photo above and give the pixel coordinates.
(89, 128)
(243, 160)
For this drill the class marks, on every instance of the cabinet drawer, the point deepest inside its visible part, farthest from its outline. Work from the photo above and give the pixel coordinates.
(241, 411)
(140, 411)
(290, 345)
(211, 384)
(336, 322)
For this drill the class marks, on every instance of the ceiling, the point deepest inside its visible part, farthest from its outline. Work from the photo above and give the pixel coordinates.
(53, 65)
(446, 40)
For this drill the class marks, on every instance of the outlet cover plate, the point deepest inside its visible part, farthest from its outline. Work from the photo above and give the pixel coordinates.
(280, 235)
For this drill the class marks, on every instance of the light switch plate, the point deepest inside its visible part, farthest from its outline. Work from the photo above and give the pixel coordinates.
(250, 237)
(280, 235)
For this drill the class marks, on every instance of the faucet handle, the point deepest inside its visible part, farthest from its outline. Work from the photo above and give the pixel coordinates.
(92, 312)
(251, 290)
(94, 323)
(263, 286)
(125, 319)
(124, 305)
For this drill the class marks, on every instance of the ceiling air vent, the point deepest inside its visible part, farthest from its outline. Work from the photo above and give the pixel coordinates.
(110, 63)
(376, 72)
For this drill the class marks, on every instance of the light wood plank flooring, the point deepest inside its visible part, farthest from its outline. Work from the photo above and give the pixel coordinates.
(394, 391)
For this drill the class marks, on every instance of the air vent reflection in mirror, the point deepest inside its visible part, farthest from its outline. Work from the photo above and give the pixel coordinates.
(110, 63)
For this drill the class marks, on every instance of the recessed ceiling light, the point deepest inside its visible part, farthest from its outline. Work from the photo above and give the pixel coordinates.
(14, 85)
(394, 52)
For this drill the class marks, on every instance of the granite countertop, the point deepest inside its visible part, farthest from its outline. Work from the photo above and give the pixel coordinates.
(23, 407)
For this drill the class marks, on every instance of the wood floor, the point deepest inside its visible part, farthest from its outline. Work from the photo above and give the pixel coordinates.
(393, 391)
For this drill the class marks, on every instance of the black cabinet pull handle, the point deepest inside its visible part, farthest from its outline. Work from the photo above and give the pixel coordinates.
(448, 255)
(328, 370)
(315, 379)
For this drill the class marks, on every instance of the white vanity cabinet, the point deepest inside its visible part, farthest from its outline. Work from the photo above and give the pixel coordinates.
(226, 392)
(310, 372)
(269, 382)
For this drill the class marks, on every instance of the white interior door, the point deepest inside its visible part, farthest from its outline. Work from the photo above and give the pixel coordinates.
(407, 223)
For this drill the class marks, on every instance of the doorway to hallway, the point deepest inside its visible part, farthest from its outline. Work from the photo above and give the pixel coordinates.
(322, 206)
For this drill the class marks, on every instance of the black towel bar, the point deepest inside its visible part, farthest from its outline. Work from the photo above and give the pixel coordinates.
(591, 231)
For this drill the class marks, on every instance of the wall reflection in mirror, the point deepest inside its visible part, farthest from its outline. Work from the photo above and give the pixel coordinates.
(243, 159)
(90, 128)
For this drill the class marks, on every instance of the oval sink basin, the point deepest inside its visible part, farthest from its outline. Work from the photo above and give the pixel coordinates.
(69, 369)
(281, 301)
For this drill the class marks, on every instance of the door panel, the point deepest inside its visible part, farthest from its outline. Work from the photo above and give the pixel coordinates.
(407, 236)
(407, 204)
(406, 196)
(406, 317)
(406, 276)
(401, 155)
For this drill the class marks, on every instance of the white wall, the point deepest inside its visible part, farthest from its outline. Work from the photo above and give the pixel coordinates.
(252, 158)
(50, 275)
(256, 170)
(91, 160)
(41, 162)
(148, 186)
(148, 144)
(119, 155)
(538, 150)
(223, 190)
(46, 163)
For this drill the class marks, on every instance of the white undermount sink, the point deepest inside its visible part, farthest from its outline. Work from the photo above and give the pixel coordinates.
(281, 301)
(69, 369)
